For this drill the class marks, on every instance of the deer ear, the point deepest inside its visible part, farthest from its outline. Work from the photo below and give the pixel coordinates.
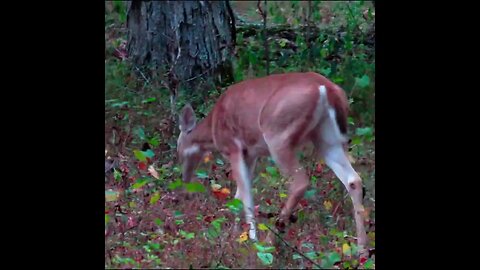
(187, 119)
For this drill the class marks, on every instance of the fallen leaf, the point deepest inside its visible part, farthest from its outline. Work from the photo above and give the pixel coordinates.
(142, 166)
(303, 203)
(225, 191)
(346, 249)
(262, 227)
(153, 172)
(243, 237)
(220, 195)
(327, 204)
(216, 187)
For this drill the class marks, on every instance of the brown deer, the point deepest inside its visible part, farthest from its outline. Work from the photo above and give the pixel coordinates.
(275, 115)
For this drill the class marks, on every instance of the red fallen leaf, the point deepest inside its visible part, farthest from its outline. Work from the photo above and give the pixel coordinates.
(214, 167)
(131, 179)
(208, 219)
(142, 166)
(303, 203)
(149, 160)
(363, 260)
(319, 168)
(292, 233)
(220, 195)
(107, 211)
(268, 201)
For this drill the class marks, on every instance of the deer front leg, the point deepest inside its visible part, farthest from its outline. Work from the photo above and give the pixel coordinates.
(251, 163)
(241, 174)
(336, 159)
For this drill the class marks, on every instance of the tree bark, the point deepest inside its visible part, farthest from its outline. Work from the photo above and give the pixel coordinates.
(189, 42)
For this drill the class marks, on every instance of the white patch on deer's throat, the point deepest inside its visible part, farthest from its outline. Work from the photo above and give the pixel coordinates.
(191, 150)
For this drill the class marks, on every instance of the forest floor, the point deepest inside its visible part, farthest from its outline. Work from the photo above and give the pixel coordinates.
(148, 225)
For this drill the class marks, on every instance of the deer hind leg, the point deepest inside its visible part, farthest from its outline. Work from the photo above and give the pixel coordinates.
(241, 174)
(336, 159)
(289, 165)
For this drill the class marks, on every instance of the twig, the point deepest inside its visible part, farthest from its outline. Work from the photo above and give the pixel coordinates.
(200, 75)
(143, 75)
(293, 248)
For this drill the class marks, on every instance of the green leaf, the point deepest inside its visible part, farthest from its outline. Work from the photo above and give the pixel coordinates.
(212, 232)
(187, 235)
(363, 81)
(350, 121)
(148, 100)
(117, 175)
(202, 174)
(235, 205)
(179, 222)
(220, 162)
(140, 183)
(310, 193)
(356, 141)
(334, 257)
(155, 141)
(178, 214)
(283, 195)
(368, 264)
(217, 223)
(140, 155)
(312, 255)
(282, 42)
(158, 222)
(195, 187)
(296, 256)
(262, 227)
(266, 258)
(155, 197)
(326, 71)
(272, 171)
(176, 184)
(264, 249)
(155, 246)
(149, 153)
(366, 131)
(301, 216)
(107, 218)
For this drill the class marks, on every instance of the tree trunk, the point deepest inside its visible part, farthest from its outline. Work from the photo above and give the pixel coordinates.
(187, 43)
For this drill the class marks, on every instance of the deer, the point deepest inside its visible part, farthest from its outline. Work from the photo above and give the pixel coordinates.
(274, 116)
